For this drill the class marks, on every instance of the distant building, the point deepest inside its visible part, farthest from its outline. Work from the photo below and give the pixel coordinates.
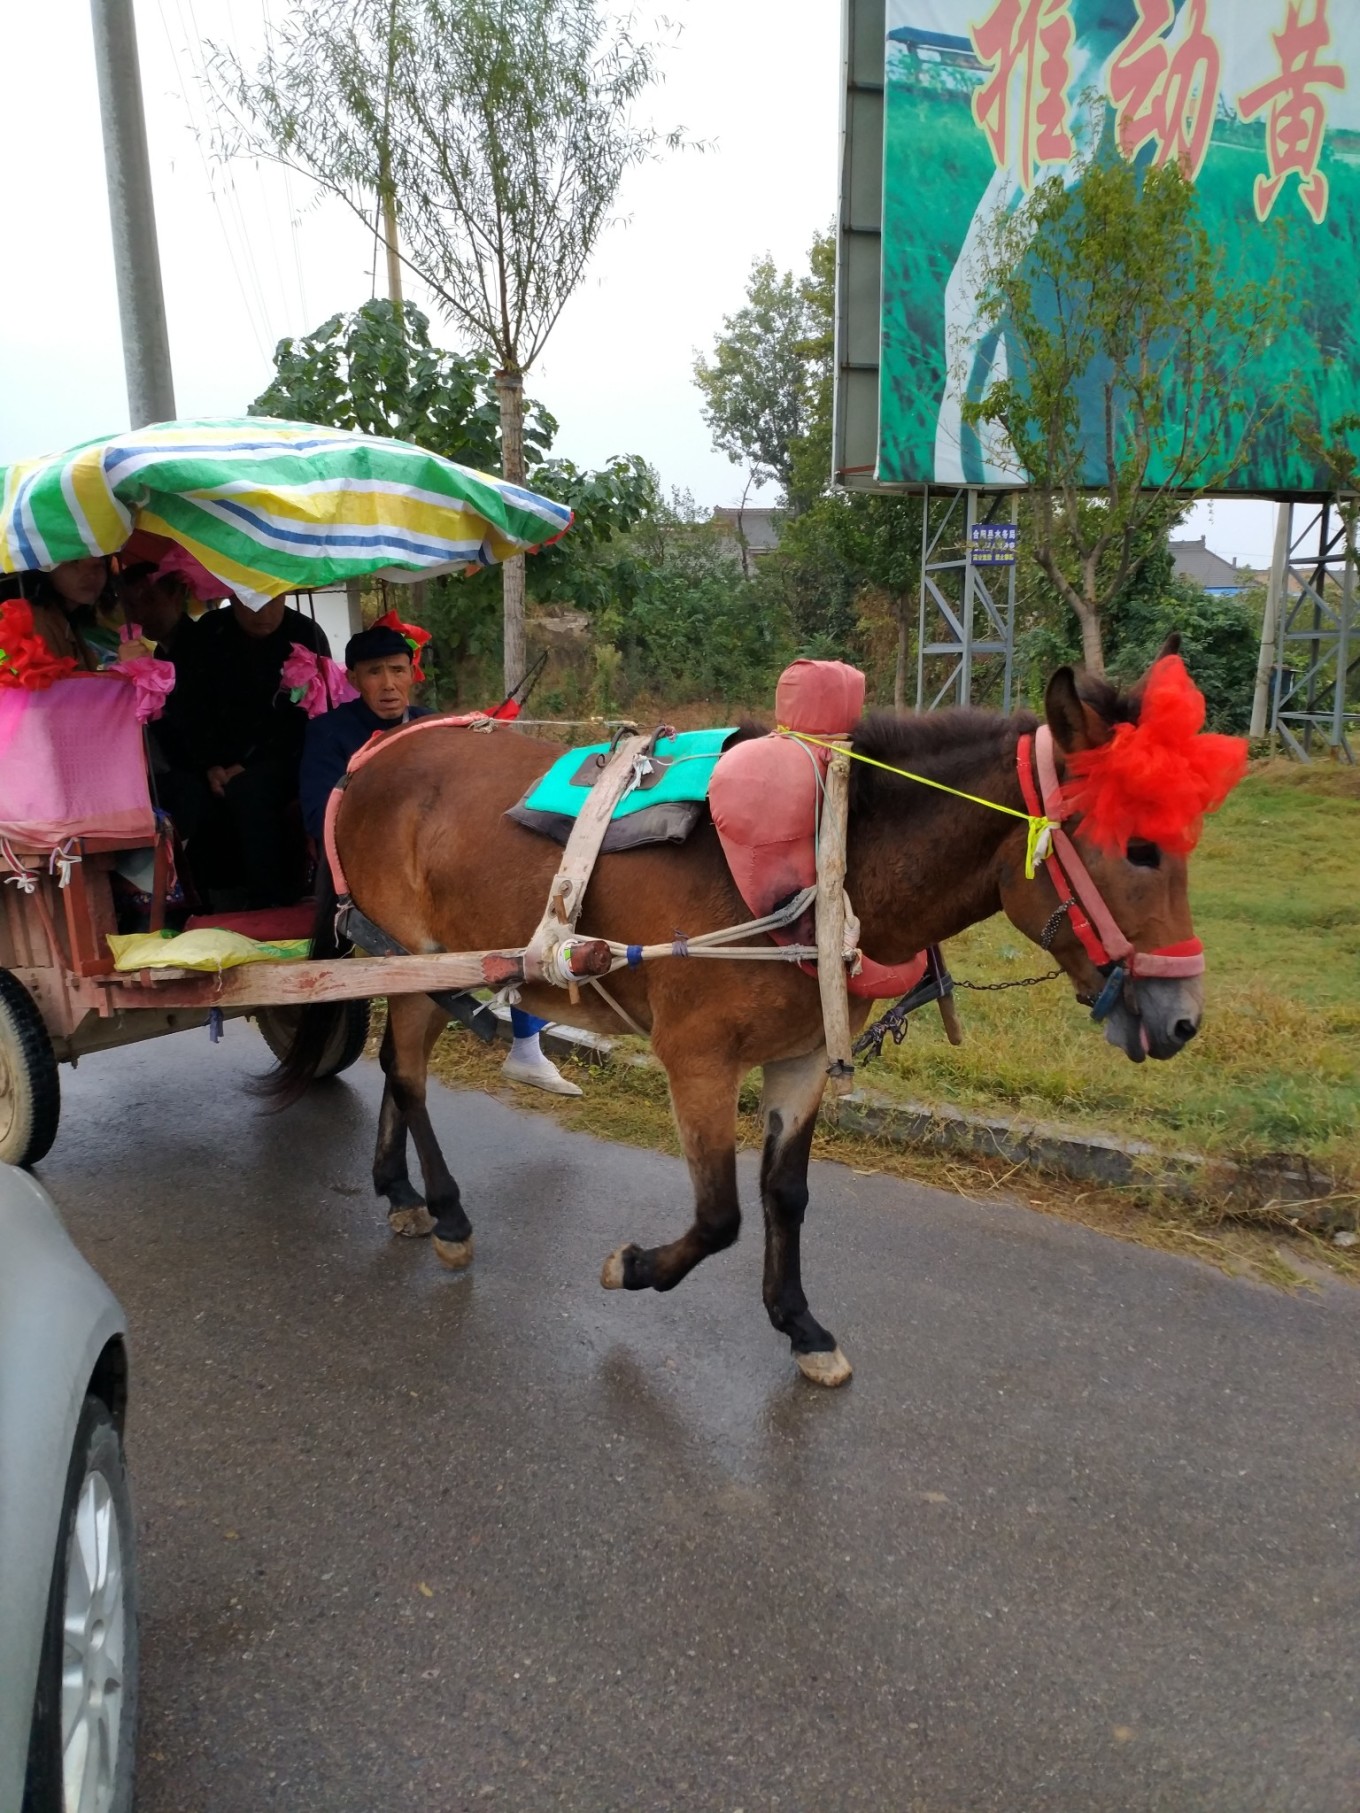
(1196, 561)
(758, 526)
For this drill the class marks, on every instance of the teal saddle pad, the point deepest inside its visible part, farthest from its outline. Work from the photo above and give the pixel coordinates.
(664, 808)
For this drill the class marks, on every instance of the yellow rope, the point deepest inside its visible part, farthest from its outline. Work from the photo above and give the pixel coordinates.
(1037, 825)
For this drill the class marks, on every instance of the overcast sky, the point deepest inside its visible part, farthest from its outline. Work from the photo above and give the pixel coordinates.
(248, 256)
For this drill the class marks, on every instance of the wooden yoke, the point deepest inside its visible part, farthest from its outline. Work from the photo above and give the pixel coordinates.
(567, 895)
(831, 923)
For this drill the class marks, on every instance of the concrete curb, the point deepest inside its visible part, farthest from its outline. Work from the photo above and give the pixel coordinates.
(1301, 1194)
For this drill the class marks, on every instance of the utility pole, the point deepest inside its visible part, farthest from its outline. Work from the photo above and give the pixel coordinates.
(132, 214)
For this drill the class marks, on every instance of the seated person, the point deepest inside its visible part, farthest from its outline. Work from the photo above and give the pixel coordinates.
(238, 741)
(378, 665)
(158, 606)
(75, 612)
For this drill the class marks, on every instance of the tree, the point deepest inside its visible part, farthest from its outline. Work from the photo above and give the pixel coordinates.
(760, 386)
(375, 370)
(1128, 335)
(497, 131)
(768, 391)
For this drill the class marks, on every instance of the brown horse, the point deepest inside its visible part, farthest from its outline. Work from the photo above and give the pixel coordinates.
(431, 858)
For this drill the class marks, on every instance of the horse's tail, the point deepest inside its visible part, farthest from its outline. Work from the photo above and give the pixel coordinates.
(318, 1025)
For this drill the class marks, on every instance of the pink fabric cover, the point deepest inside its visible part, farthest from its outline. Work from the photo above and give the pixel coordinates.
(72, 764)
(822, 698)
(763, 797)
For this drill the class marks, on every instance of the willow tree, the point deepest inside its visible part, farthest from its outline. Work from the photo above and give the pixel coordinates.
(1129, 334)
(493, 134)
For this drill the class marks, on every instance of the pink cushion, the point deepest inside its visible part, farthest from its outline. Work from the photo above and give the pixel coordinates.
(763, 797)
(72, 764)
(268, 925)
(823, 698)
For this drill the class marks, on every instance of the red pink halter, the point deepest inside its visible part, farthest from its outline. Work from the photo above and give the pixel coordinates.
(1091, 919)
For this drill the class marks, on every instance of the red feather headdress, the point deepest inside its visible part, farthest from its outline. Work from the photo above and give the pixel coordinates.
(416, 638)
(25, 659)
(1157, 778)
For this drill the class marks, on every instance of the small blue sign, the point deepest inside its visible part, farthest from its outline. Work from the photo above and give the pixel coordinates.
(994, 544)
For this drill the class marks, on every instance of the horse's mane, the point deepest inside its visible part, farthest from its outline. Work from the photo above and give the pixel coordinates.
(948, 745)
(956, 746)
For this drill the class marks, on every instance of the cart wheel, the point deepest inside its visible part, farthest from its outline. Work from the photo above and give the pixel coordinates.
(278, 1028)
(30, 1093)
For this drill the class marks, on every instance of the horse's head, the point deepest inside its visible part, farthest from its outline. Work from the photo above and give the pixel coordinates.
(1131, 795)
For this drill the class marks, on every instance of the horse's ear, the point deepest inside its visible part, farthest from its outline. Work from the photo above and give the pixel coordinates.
(1172, 646)
(1075, 724)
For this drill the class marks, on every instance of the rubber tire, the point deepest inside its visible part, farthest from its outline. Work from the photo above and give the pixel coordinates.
(98, 1447)
(278, 1027)
(30, 1089)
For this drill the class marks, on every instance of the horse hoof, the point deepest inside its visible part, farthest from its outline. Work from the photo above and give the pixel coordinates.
(412, 1223)
(830, 1369)
(456, 1254)
(611, 1276)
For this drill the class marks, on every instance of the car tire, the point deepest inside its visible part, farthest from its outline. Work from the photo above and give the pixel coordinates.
(85, 1708)
(278, 1027)
(30, 1090)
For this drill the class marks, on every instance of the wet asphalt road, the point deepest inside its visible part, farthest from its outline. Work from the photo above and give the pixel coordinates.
(1080, 1536)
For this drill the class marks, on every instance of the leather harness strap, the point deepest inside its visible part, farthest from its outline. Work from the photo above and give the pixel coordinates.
(1091, 919)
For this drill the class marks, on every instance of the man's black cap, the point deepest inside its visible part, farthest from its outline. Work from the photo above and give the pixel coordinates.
(375, 645)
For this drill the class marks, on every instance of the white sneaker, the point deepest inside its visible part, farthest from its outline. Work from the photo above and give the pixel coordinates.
(543, 1075)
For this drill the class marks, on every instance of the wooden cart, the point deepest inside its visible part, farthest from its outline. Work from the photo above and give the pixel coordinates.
(61, 998)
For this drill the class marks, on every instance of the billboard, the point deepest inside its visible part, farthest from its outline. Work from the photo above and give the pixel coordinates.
(1259, 100)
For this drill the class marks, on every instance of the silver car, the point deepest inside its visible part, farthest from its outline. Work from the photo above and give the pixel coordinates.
(68, 1584)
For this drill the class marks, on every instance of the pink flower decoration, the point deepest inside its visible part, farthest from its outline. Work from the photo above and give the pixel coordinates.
(315, 682)
(154, 681)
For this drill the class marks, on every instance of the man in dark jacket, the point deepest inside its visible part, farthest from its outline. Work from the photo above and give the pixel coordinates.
(240, 741)
(378, 665)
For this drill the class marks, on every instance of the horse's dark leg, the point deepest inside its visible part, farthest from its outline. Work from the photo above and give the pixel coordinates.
(414, 1023)
(705, 1104)
(793, 1092)
(406, 1211)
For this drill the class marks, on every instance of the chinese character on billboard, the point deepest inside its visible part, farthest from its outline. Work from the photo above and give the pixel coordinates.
(1258, 101)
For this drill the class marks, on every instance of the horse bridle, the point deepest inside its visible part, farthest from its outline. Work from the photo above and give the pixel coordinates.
(1079, 898)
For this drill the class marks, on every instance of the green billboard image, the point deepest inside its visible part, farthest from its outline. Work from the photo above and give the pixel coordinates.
(1257, 100)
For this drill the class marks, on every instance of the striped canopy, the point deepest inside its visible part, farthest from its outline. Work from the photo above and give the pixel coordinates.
(269, 507)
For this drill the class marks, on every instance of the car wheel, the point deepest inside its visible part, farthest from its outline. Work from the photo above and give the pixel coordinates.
(81, 1752)
(30, 1091)
(278, 1028)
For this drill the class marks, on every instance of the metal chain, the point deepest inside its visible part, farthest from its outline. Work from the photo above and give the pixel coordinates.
(893, 1024)
(1046, 937)
(990, 988)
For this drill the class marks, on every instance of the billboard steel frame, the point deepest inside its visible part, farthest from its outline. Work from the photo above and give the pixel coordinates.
(966, 619)
(1317, 648)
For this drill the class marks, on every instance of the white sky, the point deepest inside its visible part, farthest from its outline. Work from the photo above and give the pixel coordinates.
(248, 256)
